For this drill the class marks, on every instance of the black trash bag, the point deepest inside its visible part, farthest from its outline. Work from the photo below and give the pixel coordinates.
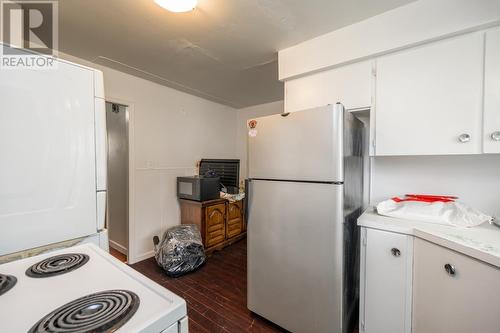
(180, 250)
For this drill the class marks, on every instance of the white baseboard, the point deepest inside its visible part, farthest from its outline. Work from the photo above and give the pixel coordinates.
(141, 257)
(118, 247)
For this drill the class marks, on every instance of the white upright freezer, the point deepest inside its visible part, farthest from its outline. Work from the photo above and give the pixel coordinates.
(305, 193)
(52, 156)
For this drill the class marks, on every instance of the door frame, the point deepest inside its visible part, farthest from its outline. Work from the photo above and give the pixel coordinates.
(129, 108)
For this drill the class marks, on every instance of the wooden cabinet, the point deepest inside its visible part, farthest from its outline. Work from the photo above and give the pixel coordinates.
(492, 92)
(462, 297)
(234, 218)
(220, 221)
(351, 85)
(386, 273)
(429, 98)
(215, 222)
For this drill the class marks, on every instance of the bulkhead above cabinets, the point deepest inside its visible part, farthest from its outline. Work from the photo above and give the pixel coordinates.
(351, 85)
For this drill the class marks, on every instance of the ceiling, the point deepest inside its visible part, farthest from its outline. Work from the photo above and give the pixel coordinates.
(224, 50)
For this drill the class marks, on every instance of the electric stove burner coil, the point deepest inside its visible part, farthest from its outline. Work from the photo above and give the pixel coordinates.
(6, 283)
(56, 265)
(101, 312)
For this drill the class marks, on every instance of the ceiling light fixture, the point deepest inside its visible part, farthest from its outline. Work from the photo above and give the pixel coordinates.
(177, 6)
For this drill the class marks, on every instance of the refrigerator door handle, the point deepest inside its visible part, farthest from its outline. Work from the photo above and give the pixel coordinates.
(248, 183)
(100, 144)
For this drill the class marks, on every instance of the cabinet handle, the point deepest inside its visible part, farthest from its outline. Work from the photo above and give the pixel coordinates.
(395, 252)
(450, 269)
(464, 138)
(495, 136)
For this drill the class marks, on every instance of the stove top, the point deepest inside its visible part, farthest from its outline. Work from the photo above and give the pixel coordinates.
(57, 265)
(6, 283)
(104, 311)
(100, 294)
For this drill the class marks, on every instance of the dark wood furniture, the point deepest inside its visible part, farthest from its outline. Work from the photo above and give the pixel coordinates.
(221, 222)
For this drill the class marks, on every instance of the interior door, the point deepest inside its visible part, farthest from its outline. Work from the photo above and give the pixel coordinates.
(429, 99)
(295, 254)
(47, 173)
(304, 145)
(117, 189)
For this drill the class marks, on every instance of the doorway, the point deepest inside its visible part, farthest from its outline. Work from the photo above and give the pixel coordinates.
(117, 220)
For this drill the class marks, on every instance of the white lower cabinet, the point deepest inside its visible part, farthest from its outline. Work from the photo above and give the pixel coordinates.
(453, 292)
(411, 285)
(386, 273)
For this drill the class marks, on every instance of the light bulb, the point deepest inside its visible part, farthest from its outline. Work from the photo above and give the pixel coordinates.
(177, 6)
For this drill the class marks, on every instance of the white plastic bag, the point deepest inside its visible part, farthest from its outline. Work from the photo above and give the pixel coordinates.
(439, 212)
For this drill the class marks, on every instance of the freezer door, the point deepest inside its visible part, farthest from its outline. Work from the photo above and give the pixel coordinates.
(47, 147)
(304, 145)
(295, 254)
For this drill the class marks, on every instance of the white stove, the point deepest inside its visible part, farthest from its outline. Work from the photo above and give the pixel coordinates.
(83, 289)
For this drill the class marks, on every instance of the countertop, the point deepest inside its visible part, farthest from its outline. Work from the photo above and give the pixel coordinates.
(481, 242)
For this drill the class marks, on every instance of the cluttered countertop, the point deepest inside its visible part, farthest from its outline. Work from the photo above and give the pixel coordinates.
(481, 242)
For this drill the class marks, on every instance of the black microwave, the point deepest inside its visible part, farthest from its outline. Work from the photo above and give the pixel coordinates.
(198, 188)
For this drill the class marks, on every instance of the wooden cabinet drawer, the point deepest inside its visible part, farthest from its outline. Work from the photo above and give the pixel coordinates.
(234, 219)
(461, 302)
(215, 219)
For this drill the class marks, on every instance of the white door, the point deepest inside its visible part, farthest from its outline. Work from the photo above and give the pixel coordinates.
(463, 299)
(117, 190)
(385, 302)
(47, 169)
(429, 99)
(304, 145)
(492, 92)
(295, 239)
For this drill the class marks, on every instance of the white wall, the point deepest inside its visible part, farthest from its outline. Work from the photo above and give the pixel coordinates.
(242, 129)
(473, 178)
(170, 131)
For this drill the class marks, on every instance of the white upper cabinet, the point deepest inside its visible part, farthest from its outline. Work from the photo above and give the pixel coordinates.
(350, 85)
(429, 98)
(492, 92)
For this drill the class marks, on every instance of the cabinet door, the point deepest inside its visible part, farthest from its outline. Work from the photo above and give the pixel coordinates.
(215, 220)
(350, 85)
(234, 225)
(386, 282)
(464, 302)
(492, 92)
(428, 99)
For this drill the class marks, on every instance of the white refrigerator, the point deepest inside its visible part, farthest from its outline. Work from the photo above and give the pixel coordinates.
(52, 157)
(305, 194)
